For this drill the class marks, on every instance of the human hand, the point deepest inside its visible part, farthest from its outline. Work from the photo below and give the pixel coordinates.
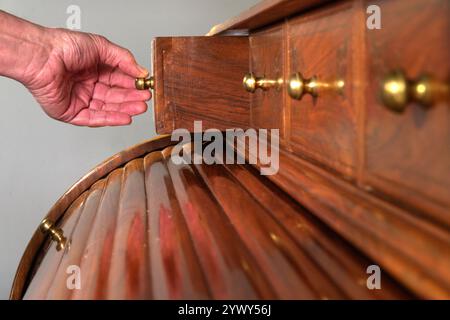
(85, 80)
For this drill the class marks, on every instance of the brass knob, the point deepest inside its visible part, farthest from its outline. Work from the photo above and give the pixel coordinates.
(298, 86)
(394, 91)
(145, 84)
(251, 83)
(397, 91)
(48, 227)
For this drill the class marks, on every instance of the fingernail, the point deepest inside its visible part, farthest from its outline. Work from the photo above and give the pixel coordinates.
(143, 70)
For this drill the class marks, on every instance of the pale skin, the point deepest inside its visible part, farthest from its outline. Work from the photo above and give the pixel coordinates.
(78, 78)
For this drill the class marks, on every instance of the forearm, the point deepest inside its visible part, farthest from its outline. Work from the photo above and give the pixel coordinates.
(22, 45)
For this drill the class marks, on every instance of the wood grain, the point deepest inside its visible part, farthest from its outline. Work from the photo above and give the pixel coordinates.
(200, 78)
(408, 154)
(324, 128)
(78, 240)
(357, 185)
(208, 231)
(176, 271)
(264, 13)
(414, 250)
(267, 60)
(71, 195)
(51, 258)
(129, 249)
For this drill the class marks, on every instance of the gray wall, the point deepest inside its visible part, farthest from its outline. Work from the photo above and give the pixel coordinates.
(41, 158)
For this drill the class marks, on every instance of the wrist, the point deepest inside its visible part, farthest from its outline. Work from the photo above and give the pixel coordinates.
(35, 51)
(24, 48)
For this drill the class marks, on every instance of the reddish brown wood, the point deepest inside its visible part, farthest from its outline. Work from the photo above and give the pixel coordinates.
(175, 267)
(229, 267)
(408, 154)
(142, 227)
(264, 13)
(200, 78)
(78, 240)
(129, 262)
(413, 249)
(51, 258)
(267, 60)
(154, 229)
(333, 257)
(95, 263)
(71, 195)
(324, 128)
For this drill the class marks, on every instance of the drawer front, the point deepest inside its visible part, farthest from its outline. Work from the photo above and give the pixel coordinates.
(267, 60)
(408, 152)
(200, 78)
(323, 128)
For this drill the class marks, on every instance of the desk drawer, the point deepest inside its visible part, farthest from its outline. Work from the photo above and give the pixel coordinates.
(267, 61)
(408, 150)
(200, 78)
(323, 128)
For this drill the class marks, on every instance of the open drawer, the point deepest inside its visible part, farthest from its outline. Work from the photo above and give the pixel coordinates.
(200, 78)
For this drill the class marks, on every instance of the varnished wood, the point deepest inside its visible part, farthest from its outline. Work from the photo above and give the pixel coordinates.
(414, 250)
(357, 185)
(218, 245)
(193, 242)
(324, 128)
(95, 262)
(408, 154)
(51, 257)
(200, 78)
(129, 248)
(267, 60)
(71, 195)
(176, 271)
(265, 13)
(78, 240)
(334, 257)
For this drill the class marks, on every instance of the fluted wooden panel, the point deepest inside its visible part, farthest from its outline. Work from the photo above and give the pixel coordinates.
(42, 282)
(77, 248)
(155, 230)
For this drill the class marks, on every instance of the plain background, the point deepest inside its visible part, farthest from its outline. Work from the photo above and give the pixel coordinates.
(41, 158)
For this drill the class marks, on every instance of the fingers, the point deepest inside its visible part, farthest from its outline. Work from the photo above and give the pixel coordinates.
(100, 118)
(114, 77)
(132, 108)
(107, 94)
(116, 56)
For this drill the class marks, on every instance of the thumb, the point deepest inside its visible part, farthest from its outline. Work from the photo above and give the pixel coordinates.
(116, 56)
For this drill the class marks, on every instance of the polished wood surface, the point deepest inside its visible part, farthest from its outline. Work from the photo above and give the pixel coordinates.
(66, 200)
(323, 128)
(408, 154)
(153, 229)
(200, 78)
(51, 257)
(358, 184)
(267, 60)
(264, 13)
(412, 249)
(402, 158)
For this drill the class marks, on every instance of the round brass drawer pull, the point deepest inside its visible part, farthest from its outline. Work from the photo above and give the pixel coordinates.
(145, 84)
(251, 83)
(298, 86)
(48, 227)
(397, 91)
